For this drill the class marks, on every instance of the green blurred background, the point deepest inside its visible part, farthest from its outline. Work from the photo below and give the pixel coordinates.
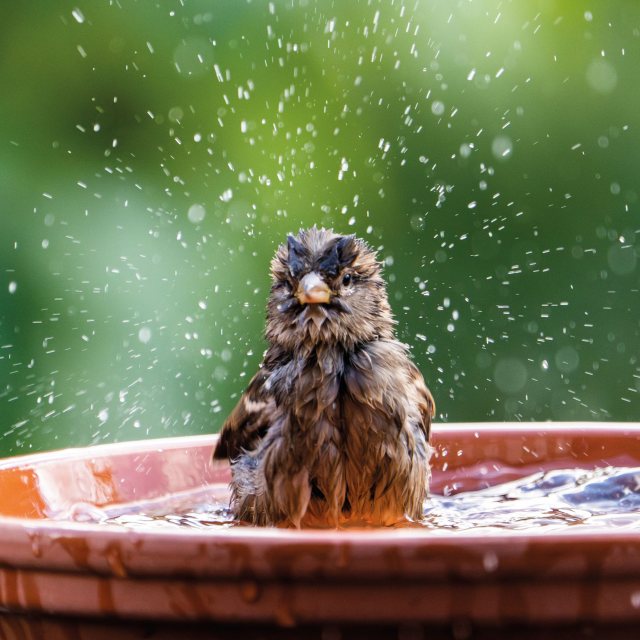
(153, 155)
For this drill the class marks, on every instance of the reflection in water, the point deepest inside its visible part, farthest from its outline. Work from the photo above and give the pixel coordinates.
(557, 499)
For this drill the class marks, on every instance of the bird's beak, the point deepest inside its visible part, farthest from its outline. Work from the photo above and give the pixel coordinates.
(313, 290)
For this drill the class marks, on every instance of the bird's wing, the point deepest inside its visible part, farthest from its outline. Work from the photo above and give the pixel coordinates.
(426, 403)
(249, 420)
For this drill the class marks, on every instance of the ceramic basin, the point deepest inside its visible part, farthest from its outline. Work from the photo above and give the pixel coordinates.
(61, 577)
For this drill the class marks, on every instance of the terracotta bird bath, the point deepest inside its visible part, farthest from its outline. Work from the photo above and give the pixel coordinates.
(64, 576)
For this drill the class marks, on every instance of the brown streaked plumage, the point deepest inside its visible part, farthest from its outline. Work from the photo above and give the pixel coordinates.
(335, 425)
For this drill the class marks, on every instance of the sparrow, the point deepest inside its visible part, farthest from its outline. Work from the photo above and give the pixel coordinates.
(334, 428)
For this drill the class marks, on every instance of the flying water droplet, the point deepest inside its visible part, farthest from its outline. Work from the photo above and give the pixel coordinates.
(501, 147)
(602, 76)
(437, 107)
(196, 213)
(78, 15)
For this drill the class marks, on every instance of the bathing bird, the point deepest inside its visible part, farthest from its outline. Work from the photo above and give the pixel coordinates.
(334, 427)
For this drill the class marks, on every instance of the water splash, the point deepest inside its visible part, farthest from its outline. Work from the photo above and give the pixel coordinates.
(557, 499)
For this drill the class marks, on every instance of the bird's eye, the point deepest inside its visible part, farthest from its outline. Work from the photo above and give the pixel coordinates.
(346, 279)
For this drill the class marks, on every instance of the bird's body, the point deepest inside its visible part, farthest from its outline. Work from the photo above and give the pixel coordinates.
(335, 425)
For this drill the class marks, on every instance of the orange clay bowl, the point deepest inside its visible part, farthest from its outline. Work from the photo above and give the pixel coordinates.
(55, 571)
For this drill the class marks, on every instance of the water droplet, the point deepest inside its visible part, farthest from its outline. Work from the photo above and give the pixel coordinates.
(510, 375)
(490, 561)
(78, 15)
(176, 114)
(567, 359)
(602, 76)
(193, 57)
(196, 213)
(437, 108)
(622, 259)
(501, 147)
(465, 150)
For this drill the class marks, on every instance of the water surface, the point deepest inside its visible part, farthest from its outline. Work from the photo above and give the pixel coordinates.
(559, 499)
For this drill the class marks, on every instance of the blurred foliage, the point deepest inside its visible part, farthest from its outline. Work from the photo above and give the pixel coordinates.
(153, 155)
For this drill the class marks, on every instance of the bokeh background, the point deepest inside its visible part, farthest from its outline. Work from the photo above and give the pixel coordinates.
(153, 155)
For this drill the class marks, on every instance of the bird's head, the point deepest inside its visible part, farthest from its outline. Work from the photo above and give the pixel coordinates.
(327, 288)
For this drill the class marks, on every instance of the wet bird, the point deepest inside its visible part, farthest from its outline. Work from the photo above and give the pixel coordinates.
(334, 427)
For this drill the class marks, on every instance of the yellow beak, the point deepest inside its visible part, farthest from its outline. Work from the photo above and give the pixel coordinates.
(313, 290)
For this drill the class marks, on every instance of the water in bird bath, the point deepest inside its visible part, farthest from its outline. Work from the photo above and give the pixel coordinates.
(607, 497)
